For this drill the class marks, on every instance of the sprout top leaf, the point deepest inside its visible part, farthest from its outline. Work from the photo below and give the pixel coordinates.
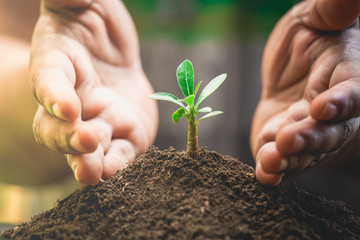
(185, 77)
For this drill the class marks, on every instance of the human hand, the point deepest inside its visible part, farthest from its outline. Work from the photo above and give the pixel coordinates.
(86, 73)
(310, 105)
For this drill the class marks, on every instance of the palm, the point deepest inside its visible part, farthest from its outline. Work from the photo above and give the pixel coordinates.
(104, 88)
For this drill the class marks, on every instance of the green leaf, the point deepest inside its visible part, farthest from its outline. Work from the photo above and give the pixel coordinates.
(185, 77)
(178, 114)
(211, 87)
(197, 87)
(166, 97)
(214, 113)
(205, 109)
(189, 100)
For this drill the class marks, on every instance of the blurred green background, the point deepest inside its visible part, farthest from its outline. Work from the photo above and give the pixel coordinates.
(189, 20)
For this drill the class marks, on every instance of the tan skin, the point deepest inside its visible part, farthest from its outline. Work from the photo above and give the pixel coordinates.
(310, 105)
(86, 73)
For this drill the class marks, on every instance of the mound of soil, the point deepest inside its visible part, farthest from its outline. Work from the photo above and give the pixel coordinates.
(166, 195)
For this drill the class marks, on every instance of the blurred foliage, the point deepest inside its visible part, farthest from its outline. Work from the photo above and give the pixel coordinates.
(188, 20)
(260, 16)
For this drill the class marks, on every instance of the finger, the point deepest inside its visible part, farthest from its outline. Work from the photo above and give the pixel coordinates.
(311, 137)
(268, 130)
(297, 163)
(87, 168)
(67, 3)
(266, 178)
(104, 132)
(52, 79)
(61, 136)
(340, 102)
(333, 15)
(104, 162)
(121, 153)
(271, 160)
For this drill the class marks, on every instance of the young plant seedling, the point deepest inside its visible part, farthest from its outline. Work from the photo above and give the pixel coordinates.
(185, 78)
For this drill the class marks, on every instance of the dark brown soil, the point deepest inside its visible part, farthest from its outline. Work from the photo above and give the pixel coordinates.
(165, 195)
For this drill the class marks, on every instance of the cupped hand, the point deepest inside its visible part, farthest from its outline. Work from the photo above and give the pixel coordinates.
(87, 76)
(310, 104)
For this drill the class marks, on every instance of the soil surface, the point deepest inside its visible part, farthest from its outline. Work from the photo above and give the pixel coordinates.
(165, 195)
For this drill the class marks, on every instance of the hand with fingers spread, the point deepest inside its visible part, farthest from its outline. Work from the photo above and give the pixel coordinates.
(86, 73)
(309, 111)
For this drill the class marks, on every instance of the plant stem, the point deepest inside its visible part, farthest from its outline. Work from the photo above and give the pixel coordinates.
(192, 144)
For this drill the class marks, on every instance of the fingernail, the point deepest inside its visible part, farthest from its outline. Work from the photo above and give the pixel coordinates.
(278, 181)
(75, 173)
(56, 111)
(283, 165)
(298, 144)
(76, 144)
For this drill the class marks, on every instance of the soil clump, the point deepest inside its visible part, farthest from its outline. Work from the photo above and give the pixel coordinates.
(166, 195)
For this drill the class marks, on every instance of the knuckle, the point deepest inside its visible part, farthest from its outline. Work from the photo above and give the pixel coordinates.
(345, 131)
(313, 140)
(349, 130)
(61, 144)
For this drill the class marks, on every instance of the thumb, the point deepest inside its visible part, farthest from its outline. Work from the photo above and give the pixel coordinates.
(333, 15)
